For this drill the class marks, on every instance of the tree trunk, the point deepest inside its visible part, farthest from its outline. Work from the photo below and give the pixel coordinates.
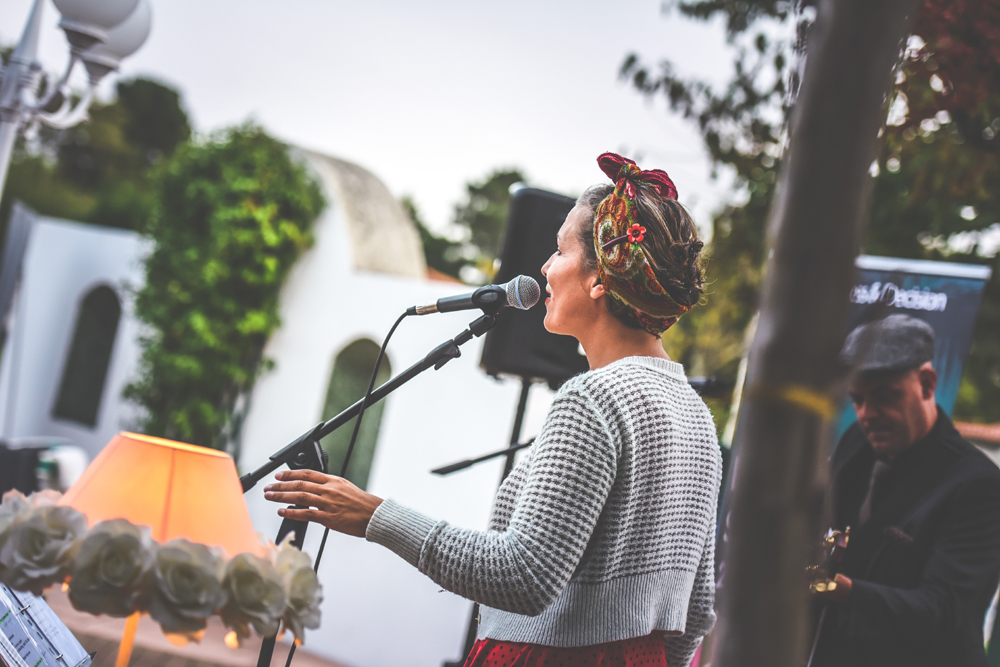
(793, 384)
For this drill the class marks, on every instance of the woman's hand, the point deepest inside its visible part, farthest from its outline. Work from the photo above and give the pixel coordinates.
(340, 505)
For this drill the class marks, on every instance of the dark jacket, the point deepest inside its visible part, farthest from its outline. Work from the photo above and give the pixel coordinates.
(925, 566)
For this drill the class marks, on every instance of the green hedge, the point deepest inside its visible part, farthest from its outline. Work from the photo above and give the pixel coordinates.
(233, 214)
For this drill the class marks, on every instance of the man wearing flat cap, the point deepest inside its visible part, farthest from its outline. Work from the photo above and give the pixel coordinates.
(923, 505)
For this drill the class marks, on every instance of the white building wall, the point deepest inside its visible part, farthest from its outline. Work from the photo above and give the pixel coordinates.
(63, 261)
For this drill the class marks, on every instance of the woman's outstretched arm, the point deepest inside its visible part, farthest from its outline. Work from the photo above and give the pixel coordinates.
(522, 568)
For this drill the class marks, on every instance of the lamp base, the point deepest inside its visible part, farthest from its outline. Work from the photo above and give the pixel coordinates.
(128, 638)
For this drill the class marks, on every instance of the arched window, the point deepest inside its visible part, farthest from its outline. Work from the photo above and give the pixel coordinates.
(352, 370)
(89, 357)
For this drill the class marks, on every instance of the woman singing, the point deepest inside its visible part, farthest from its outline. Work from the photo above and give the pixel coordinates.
(600, 548)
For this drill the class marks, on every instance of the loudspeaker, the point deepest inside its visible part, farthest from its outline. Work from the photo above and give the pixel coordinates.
(519, 345)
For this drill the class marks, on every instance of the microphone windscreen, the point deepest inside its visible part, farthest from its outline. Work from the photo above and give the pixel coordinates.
(523, 292)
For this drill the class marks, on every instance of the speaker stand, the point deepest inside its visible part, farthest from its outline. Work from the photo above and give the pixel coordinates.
(515, 437)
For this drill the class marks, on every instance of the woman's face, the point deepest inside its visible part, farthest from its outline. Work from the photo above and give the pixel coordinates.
(572, 288)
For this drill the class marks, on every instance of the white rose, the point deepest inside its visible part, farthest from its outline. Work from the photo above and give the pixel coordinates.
(184, 587)
(303, 589)
(107, 571)
(13, 505)
(39, 547)
(255, 596)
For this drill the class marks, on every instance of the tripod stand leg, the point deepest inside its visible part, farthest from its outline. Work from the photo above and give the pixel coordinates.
(287, 526)
(515, 434)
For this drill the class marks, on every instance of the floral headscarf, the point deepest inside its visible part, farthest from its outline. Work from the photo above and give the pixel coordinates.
(623, 265)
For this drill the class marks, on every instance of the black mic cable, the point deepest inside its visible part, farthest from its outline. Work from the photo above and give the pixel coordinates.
(350, 446)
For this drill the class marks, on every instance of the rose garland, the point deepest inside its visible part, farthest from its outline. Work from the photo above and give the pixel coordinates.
(116, 568)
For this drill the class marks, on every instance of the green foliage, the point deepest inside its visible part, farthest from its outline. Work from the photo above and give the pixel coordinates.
(473, 243)
(33, 180)
(440, 253)
(744, 127)
(155, 124)
(484, 213)
(936, 193)
(232, 216)
(98, 171)
(936, 160)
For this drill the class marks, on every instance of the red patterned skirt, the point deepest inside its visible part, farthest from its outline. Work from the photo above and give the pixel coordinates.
(648, 651)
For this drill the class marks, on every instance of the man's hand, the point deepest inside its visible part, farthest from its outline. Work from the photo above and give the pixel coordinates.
(340, 505)
(836, 590)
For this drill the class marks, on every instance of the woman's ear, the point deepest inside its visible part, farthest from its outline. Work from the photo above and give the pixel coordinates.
(596, 288)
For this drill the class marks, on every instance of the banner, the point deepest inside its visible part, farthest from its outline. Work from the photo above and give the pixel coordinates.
(946, 295)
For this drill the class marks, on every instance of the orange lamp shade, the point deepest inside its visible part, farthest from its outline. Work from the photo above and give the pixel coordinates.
(178, 490)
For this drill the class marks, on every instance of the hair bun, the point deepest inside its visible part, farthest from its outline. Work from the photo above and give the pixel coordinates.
(686, 253)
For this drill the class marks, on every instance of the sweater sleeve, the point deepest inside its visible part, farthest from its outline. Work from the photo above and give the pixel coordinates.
(524, 567)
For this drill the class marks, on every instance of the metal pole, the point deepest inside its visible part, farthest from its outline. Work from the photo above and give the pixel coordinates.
(515, 432)
(19, 73)
(515, 436)
(793, 383)
(8, 137)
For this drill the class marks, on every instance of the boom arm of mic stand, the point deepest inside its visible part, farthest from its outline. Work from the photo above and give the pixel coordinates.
(462, 465)
(436, 358)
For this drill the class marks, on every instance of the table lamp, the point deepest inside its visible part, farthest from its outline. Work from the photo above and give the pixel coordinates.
(176, 489)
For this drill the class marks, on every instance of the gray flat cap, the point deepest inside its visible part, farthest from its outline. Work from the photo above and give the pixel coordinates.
(895, 344)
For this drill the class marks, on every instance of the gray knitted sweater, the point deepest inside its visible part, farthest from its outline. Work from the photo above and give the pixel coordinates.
(604, 531)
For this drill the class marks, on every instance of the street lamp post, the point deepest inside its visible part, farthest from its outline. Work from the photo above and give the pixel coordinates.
(100, 34)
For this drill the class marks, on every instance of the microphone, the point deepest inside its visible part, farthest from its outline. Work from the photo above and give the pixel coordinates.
(521, 292)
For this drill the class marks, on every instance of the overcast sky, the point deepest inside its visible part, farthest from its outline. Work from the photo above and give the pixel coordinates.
(429, 95)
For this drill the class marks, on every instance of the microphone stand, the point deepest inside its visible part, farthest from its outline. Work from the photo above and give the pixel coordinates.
(462, 465)
(305, 452)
